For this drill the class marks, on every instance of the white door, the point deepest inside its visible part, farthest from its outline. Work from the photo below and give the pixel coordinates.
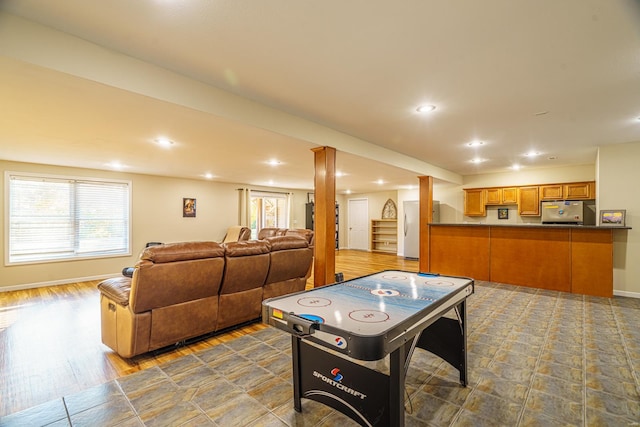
(358, 224)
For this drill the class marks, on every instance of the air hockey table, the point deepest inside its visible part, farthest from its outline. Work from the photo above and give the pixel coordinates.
(365, 319)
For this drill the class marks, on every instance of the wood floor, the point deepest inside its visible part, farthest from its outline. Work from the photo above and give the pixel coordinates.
(50, 337)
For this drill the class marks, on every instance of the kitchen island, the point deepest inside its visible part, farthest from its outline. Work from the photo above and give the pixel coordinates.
(568, 258)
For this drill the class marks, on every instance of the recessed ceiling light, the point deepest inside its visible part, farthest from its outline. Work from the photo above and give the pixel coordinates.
(273, 162)
(208, 175)
(164, 142)
(379, 182)
(515, 167)
(532, 154)
(475, 143)
(116, 165)
(339, 174)
(477, 160)
(425, 108)
(348, 192)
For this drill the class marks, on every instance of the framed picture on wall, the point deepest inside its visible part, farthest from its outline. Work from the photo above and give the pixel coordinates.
(503, 213)
(189, 207)
(612, 218)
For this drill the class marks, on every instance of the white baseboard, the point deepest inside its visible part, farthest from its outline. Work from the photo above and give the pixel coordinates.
(56, 282)
(626, 294)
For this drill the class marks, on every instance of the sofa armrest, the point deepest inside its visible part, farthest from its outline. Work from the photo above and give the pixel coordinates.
(117, 289)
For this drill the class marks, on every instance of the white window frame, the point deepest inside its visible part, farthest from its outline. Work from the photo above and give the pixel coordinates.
(75, 256)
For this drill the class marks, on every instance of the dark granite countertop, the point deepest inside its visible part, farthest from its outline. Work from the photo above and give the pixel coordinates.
(533, 225)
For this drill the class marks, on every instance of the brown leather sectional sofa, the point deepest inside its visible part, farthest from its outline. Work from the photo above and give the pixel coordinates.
(183, 290)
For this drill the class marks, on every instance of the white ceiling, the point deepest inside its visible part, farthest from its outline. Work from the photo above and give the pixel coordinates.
(557, 77)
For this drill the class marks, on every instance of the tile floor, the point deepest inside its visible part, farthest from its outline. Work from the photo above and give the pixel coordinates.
(536, 358)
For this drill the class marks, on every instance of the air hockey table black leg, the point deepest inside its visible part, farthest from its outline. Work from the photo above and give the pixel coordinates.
(297, 386)
(397, 375)
(462, 317)
(447, 338)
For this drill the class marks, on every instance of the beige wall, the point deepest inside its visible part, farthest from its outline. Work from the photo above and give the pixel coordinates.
(156, 216)
(618, 177)
(375, 201)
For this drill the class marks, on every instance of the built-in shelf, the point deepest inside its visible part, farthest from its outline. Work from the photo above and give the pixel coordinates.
(384, 235)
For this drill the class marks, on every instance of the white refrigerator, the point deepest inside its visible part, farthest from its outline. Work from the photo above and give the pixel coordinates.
(412, 226)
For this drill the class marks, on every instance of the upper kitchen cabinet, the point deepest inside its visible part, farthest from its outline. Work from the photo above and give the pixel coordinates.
(528, 201)
(501, 196)
(474, 202)
(551, 192)
(570, 191)
(580, 190)
(510, 196)
(494, 196)
(526, 197)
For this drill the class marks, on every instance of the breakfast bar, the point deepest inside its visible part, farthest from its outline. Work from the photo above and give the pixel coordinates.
(568, 258)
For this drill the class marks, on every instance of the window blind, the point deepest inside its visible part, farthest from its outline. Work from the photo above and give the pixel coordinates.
(54, 218)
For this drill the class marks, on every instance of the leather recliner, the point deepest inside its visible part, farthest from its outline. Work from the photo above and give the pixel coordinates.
(291, 259)
(302, 232)
(172, 296)
(246, 268)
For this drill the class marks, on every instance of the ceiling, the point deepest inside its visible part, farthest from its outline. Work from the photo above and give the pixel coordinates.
(557, 78)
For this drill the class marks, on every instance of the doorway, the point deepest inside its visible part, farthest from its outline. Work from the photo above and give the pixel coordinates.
(268, 210)
(358, 223)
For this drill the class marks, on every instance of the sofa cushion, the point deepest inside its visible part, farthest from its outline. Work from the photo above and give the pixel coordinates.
(161, 284)
(182, 251)
(246, 266)
(251, 247)
(267, 232)
(303, 232)
(270, 232)
(280, 243)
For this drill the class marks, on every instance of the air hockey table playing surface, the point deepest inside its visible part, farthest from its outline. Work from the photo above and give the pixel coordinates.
(368, 317)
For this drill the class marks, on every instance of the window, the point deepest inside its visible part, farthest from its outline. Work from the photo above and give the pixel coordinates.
(59, 218)
(268, 210)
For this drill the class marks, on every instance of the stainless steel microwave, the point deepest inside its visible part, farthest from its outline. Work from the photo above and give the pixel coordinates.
(581, 212)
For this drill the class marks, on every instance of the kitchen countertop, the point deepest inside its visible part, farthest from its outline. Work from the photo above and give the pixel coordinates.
(533, 225)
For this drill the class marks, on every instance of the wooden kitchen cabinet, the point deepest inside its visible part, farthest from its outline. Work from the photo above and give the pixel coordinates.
(570, 191)
(580, 190)
(494, 196)
(474, 202)
(527, 197)
(529, 201)
(510, 196)
(501, 196)
(552, 192)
